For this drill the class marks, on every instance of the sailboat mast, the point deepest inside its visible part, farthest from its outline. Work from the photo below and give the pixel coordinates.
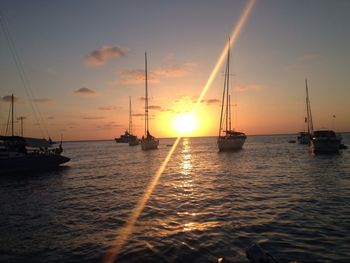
(130, 120)
(310, 127)
(229, 111)
(12, 110)
(222, 105)
(146, 97)
(227, 85)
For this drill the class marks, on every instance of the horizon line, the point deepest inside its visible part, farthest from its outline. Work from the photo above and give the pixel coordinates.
(207, 136)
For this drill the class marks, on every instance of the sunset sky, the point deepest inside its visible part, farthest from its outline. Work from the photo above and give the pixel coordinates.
(83, 59)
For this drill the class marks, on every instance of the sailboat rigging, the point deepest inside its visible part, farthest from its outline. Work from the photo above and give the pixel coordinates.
(228, 139)
(305, 137)
(133, 141)
(18, 153)
(128, 137)
(148, 142)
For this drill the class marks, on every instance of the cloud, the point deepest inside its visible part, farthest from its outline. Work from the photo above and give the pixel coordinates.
(167, 110)
(43, 100)
(138, 114)
(249, 87)
(192, 99)
(170, 72)
(211, 101)
(73, 124)
(85, 91)
(185, 99)
(92, 118)
(155, 107)
(101, 56)
(137, 76)
(108, 108)
(8, 98)
(109, 126)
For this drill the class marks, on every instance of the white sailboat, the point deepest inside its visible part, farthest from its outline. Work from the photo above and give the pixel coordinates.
(228, 139)
(148, 142)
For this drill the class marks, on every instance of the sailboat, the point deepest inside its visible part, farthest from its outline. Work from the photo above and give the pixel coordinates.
(305, 137)
(148, 142)
(18, 153)
(133, 141)
(228, 139)
(321, 141)
(128, 137)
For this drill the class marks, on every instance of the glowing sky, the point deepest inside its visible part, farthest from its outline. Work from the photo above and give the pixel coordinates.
(83, 59)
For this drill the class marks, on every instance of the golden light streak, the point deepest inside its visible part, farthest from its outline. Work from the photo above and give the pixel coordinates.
(126, 230)
(234, 35)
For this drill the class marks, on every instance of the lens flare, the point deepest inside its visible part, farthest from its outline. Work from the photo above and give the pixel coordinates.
(127, 229)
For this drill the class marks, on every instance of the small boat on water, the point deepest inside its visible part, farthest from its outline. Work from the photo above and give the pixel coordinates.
(148, 142)
(18, 153)
(305, 137)
(124, 138)
(325, 141)
(228, 139)
(128, 137)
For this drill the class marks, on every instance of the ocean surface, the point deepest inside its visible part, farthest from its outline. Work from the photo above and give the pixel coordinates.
(206, 204)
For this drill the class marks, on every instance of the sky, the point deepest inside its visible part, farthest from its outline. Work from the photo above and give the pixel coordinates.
(83, 59)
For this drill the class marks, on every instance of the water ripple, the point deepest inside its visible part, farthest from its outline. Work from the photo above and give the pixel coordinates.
(206, 204)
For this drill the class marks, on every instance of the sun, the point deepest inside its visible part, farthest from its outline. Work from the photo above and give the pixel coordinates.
(185, 123)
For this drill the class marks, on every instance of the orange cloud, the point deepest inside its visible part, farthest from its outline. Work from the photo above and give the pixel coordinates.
(101, 56)
(137, 76)
(106, 108)
(46, 100)
(211, 101)
(85, 91)
(8, 98)
(155, 107)
(250, 87)
(92, 118)
(138, 115)
(170, 72)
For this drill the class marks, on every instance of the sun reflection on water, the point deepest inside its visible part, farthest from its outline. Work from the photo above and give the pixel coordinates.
(186, 163)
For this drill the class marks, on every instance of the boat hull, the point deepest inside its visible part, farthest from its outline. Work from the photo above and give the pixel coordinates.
(325, 145)
(134, 142)
(126, 138)
(31, 163)
(149, 144)
(121, 140)
(231, 143)
(304, 138)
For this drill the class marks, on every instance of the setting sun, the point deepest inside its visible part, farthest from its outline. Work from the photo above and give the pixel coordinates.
(185, 123)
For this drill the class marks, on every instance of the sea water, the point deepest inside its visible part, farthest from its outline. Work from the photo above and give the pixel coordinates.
(206, 204)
